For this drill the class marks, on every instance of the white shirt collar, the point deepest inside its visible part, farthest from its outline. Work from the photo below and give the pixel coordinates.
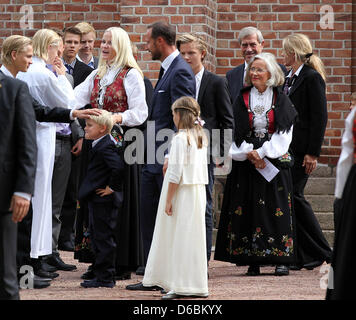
(198, 78)
(95, 142)
(6, 71)
(168, 61)
(91, 60)
(296, 73)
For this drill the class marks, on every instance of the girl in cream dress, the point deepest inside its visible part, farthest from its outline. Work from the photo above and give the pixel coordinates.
(177, 260)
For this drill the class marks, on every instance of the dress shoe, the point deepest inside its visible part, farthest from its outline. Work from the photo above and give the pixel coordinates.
(140, 271)
(139, 286)
(40, 284)
(281, 270)
(46, 267)
(89, 275)
(55, 260)
(46, 274)
(66, 246)
(295, 267)
(253, 271)
(95, 283)
(125, 275)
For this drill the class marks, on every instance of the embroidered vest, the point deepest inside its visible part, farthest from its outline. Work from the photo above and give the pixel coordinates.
(269, 114)
(115, 99)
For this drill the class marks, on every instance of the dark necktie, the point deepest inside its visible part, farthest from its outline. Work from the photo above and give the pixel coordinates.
(69, 68)
(289, 83)
(161, 71)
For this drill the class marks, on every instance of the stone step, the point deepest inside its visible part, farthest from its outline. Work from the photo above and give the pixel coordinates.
(323, 170)
(322, 186)
(326, 220)
(321, 203)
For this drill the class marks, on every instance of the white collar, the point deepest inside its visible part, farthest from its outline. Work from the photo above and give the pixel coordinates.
(199, 75)
(91, 60)
(95, 142)
(246, 65)
(6, 71)
(297, 72)
(168, 61)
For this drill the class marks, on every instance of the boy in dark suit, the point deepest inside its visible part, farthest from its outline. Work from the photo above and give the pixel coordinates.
(102, 188)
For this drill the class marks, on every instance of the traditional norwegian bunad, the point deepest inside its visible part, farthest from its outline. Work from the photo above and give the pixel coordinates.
(256, 223)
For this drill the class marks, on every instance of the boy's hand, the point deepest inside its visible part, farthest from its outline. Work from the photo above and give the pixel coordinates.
(104, 192)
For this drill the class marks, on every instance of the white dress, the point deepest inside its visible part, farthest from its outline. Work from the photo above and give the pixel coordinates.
(177, 259)
(51, 91)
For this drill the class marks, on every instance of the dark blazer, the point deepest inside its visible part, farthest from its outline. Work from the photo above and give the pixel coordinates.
(18, 149)
(178, 81)
(215, 104)
(235, 79)
(80, 72)
(105, 168)
(309, 98)
(47, 114)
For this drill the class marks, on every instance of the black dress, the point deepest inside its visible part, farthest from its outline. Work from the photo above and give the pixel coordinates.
(257, 219)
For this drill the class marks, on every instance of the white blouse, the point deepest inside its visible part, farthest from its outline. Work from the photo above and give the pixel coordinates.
(137, 111)
(346, 159)
(279, 143)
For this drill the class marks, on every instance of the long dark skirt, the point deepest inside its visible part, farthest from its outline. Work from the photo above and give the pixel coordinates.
(342, 282)
(257, 220)
(129, 253)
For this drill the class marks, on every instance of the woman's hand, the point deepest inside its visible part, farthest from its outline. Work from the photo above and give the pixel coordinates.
(253, 156)
(59, 67)
(117, 118)
(168, 209)
(309, 163)
(260, 164)
(104, 192)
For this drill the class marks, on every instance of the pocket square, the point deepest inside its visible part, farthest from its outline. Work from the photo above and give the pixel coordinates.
(160, 91)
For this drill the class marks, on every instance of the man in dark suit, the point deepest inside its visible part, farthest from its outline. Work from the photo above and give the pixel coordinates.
(69, 139)
(251, 43)
(18, 154)
(176, 79)
(213, 97)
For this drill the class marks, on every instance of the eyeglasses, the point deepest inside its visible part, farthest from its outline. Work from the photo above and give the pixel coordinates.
(257, 70)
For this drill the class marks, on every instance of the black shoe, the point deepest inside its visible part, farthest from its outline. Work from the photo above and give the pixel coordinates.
(94, 283)
(123, 275)
(139, 286)
(55, 260)
(140, 271)
(66, 246)
(40, 284)
(45, 274)
(46, 267)
(89, 275)
(253, 271)
(295, 267)
(281, 270)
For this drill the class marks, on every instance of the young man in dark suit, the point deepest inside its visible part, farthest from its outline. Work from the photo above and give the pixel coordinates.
(176, 79)
(18, 154)
(102, 188)
(251, 43)
(213, 97)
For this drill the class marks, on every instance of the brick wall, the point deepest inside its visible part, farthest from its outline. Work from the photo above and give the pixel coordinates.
(219, 22)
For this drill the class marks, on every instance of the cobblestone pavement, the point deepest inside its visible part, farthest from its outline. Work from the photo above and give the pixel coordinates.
(226, 282)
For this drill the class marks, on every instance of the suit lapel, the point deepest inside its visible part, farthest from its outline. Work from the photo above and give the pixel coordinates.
(203, 85)
(299, 80)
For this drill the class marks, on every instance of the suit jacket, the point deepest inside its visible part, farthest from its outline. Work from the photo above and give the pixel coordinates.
(80, 72)
(309, 98)
(105, 168)
(178, 81)
(47, 114)
(18, 150)
(215, 105)
(235, 78)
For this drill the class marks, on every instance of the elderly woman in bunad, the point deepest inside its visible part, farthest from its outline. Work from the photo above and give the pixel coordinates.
(341, 275)
(116, 86)
(53, 91)
(256, 222)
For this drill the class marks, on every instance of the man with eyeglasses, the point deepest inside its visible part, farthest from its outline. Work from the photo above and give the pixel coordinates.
(251, 43)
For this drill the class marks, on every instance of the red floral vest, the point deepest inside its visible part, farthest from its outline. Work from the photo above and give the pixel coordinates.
(115, 99)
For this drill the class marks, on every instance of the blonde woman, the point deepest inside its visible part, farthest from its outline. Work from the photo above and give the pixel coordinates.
(53, 91)
(305, 86)
(116, 86)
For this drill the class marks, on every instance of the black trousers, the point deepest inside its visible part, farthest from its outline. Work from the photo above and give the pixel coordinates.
(102, 224)
(8, 269)
(311, 243)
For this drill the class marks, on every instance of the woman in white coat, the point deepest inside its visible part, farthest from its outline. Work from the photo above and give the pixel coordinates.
(54, 90)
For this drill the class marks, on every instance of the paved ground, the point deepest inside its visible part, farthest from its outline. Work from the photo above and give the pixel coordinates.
(226, 282)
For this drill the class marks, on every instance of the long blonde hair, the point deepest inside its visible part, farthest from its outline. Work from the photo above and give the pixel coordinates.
(300, 45)
(189, 113)
(121, 43)
(42, 39)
